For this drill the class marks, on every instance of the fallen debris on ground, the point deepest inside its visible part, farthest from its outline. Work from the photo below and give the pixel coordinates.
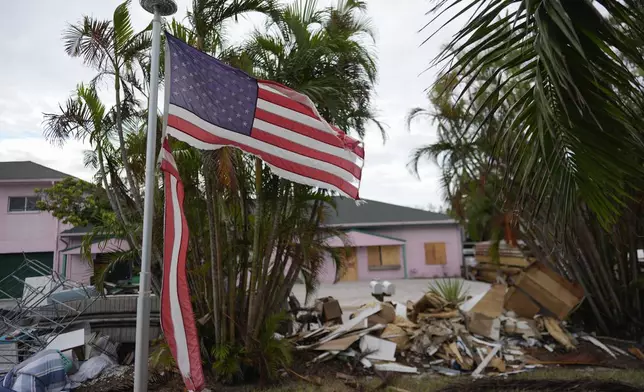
(481, 337)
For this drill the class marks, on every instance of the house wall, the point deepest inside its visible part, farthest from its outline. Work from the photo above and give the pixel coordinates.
(415, 238)
(25, 231)
(78, 268)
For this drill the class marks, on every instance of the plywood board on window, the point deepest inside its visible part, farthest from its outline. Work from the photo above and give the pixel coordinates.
(435, 253)
(390, 254)
(373, 256)
(350, 262)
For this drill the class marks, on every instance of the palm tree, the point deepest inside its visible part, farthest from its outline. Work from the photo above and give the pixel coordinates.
(85, 117)
(113, 49)
(565, 98)
(325, 54)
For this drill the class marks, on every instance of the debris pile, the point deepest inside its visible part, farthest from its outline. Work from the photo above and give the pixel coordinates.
(481, 336)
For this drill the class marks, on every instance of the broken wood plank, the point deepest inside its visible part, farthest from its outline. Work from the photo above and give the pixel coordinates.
(637, 352)
(554, 329)
(339, 344)
(599, 344)
(395, 367)
(486, 361)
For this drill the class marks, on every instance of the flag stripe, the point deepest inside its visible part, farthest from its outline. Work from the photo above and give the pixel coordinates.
(305, 130)
(307, 141)
(175, 306)
(285, 102)
(177, 318)
(286, 174)
(177, 126)
(266, 137)
(177, 115)
(294, 116)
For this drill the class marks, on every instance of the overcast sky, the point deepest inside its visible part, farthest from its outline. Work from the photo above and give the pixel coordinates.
(36, 74)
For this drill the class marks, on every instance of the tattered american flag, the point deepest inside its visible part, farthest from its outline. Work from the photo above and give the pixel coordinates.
(211, 105)
(177, 318)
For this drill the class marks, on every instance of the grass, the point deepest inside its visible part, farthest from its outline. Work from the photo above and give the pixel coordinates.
(432, 383)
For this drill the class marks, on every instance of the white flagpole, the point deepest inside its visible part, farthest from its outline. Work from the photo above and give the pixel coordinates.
(158, 8)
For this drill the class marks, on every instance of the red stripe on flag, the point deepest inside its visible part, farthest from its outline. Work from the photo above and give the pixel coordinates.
(168, 239)
(192, 337)
(193, 372)
(297, 148)
(314, 133)
(284, 164)
(286, 102)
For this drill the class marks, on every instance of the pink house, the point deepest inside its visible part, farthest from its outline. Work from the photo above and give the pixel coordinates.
(387, 241)
(26, 231)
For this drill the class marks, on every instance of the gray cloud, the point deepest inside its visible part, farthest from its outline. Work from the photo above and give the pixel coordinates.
(37, 74)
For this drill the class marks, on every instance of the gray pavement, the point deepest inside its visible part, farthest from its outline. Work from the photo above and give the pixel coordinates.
(352, 295)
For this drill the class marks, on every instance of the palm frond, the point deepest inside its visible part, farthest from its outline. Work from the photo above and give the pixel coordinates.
(90, 40)
(122, 26)
(562, 50)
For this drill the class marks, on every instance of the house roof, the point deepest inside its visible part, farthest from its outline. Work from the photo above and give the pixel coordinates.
(371, 213)
(27, 170)
(78, 230)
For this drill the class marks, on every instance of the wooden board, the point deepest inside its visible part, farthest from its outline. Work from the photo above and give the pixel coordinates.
(350, 262)
(390, 254)
(435, 253)
(339, 344)
(504, 260)
(491, 305)
(550, 290)
(520, 303)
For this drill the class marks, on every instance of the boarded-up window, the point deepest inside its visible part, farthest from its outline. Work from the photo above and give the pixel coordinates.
(435, 253)
(383, 255)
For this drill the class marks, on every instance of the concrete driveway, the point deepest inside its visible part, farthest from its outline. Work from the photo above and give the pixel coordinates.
(354, 294)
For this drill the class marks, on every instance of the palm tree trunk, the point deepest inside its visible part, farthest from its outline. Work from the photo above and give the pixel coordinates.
(134, 189)
(213, 258)
(256, 245)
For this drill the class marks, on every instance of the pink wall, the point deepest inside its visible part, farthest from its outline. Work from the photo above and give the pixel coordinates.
(79, 270)
(26, 231)
(415, 237)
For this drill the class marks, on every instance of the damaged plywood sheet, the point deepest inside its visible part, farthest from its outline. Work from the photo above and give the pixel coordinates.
(491, 304)
(485, 326)
(344, 328)
(521, 303)
(339, 344)
(550, 290)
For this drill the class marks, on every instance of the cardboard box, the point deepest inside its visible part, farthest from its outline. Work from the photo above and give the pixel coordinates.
(329, 308)
(386, 315)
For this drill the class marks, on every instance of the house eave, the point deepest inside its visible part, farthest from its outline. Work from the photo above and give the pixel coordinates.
(28, 181)
(387, 224)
